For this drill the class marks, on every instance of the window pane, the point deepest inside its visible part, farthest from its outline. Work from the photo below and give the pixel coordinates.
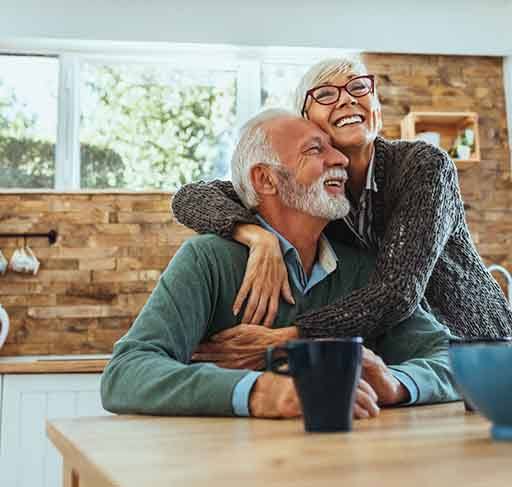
(278, 84)
(28, 121)
(147, 126)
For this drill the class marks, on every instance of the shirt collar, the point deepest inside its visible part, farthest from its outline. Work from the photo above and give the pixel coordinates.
(371, 184)
(326, 256)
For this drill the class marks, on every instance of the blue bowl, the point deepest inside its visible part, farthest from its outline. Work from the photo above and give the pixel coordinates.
(483, 372)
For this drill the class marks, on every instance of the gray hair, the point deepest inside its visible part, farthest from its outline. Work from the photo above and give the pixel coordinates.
(324, 71)
(254, 147)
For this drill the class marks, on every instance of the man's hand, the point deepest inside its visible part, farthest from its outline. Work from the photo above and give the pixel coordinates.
(274, 396)
(243, 346)
(366, 401)
(389, 389)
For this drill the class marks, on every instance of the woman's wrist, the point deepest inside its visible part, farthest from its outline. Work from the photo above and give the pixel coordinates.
(253, 235)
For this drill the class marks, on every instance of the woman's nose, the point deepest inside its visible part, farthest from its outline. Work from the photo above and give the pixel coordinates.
(345, 99)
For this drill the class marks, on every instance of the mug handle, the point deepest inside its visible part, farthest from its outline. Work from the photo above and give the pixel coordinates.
(273, 363)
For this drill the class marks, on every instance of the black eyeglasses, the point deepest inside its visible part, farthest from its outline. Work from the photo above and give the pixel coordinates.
(329, 94)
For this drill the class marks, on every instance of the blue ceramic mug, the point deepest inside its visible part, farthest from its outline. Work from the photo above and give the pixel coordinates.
(481, 368)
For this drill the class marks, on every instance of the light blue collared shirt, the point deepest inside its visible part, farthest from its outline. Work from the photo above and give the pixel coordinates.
(360, 216)
(325, 263)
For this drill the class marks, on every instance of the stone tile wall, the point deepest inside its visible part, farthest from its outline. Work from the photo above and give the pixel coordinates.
(112, 247)
(110, 252)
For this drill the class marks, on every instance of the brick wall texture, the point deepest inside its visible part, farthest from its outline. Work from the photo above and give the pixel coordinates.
(112, 247)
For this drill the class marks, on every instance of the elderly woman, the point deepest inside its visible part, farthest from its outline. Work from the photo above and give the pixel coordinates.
(405, 206)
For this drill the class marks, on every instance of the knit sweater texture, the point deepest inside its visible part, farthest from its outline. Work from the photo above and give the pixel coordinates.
(426, 250)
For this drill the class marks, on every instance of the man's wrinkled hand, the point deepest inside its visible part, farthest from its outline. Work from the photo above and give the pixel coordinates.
(375, 372)
(274, 396)
(243, 346)
(366, 402)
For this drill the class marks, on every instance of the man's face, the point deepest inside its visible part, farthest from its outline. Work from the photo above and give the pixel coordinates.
(312, 175)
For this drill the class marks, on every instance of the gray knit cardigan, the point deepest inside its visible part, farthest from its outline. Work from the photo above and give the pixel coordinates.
(426, 250)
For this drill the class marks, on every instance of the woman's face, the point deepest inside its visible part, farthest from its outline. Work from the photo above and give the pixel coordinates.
(350, 122)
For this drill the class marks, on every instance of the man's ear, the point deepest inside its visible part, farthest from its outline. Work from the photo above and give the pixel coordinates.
(263, 179)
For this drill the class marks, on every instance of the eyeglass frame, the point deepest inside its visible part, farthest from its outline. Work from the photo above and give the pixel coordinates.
(340, 88)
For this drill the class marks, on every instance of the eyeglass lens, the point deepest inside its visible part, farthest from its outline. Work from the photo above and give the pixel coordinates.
(330, 94)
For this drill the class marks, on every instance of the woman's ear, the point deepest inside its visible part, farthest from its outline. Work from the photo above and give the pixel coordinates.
(263, 179)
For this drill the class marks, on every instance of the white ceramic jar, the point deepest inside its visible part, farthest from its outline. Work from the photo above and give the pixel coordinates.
(4, 325)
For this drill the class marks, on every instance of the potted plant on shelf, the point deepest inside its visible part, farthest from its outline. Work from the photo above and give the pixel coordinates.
(463, 145)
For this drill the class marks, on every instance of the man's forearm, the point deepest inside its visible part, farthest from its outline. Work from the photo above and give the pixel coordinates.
(140, 380)
(433, 378)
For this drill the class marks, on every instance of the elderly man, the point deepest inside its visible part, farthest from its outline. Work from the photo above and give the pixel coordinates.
(285, 168)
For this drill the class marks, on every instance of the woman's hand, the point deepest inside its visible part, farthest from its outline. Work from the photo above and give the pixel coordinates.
(265, 277)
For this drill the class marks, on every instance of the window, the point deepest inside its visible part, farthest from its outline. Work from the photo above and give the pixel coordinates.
(154, 126)
(134, 117)
(28, 121)
(278, 82)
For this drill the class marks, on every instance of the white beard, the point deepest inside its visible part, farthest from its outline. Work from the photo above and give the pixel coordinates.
(313, 199)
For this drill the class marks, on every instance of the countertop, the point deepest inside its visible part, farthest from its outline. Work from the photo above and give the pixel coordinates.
(424, 446)
(53, 364)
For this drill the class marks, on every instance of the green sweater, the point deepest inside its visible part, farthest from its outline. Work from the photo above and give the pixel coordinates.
(150, 370)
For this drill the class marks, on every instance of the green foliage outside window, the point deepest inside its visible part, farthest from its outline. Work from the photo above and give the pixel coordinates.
(24, 161)
(167, 129)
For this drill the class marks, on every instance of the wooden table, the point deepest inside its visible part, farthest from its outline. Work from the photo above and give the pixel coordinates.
(437, 446)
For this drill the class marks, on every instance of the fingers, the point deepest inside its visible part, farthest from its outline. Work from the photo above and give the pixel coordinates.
(254, 363)
(217, 357)
(265, 276)
(227, 334)
(359, 412)
(252, 305)
(242, 294)
(366, 402)
(228, 347)
(364, 386)
(232, 361)
(286, 291)
(272, 309)
(260, 310)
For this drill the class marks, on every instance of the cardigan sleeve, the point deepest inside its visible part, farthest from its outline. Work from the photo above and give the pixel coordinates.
(212, 207)
(425, 215)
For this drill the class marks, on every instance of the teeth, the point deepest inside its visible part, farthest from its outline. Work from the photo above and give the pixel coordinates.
(333, 182)
(346, 120)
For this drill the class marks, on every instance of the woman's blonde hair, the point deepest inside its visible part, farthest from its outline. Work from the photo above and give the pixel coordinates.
(324, 71)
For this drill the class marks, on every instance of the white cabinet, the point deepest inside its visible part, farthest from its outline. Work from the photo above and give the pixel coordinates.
(27, 458)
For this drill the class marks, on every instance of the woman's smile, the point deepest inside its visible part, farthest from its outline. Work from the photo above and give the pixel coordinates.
(351, 121)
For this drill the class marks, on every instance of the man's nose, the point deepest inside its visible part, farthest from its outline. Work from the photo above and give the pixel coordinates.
(337, 158)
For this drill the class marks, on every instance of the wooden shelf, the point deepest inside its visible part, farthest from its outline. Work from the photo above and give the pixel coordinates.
(463, 164)
(448, 125)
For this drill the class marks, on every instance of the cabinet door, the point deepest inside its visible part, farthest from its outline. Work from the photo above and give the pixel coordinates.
(28, 401)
